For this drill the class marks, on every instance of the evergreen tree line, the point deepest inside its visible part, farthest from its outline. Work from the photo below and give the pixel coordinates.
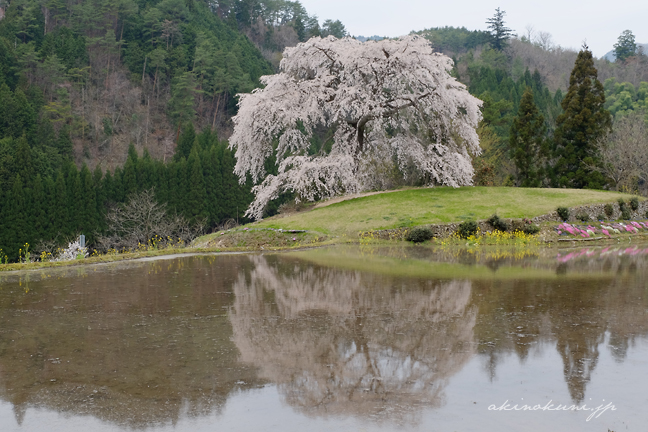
(505, 101)
(502, 96)
(534, 138)
(22, 123)
(198, 184)
(569, 157)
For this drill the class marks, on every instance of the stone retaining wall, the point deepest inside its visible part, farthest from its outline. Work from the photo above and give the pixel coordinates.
(593, 211)
(446, 230)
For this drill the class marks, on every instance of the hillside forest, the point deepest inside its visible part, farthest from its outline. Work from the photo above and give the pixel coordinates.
(100, 99)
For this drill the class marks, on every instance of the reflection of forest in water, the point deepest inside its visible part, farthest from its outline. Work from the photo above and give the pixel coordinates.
(573, 315)
(132, 344)
(145, 344)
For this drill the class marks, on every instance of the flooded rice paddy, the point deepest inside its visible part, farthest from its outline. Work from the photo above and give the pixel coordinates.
(344, 339)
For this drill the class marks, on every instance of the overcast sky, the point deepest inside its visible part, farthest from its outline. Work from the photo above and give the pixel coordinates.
(570, 22)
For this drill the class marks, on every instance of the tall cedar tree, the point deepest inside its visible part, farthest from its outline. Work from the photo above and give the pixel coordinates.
(213, 183)
(186, 142)
(40, 220)
(196, 199)
(583, 121)
(499, 32)
(88, 205)
(16, 217)
(526, 141)
(60, 213)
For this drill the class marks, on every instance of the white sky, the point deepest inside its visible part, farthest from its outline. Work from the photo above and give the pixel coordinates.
(570, 22)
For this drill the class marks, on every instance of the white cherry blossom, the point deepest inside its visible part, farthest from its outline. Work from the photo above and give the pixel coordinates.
(391, 100)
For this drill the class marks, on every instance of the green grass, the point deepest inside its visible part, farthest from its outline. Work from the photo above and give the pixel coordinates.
(436, 205)
(256, 239)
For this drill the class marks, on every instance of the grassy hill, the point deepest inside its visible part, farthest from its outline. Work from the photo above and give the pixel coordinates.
(435, 205)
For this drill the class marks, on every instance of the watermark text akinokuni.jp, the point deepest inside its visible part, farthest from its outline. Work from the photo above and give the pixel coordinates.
(595, 412)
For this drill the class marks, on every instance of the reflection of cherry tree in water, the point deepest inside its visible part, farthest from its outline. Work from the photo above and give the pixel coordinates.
(344, 342)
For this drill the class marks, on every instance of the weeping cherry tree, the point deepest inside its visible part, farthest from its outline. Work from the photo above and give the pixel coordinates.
(380, 103)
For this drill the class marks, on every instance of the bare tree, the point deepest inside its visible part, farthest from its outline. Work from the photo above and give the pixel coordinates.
(141, 219)
(544, 40)
(529, 32)
(623, 152)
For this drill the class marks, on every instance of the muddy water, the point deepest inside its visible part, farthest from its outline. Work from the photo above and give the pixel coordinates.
(346, 339)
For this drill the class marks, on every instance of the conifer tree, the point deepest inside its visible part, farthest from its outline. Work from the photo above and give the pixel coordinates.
(39, 209)
(23, 164)
(161, 182)
(87, 208)
(230, 185)
(499, 32)
(118, 194)
(183, 92)
(186, 142)
(75, 200)
(100, 197)
(107, 187)
(196, 194)
(3, 227)
(24, 116)
(526, 141)
(45, 134)
(7, 107)
(64, 143)
(583, 121)
(60, 213)
(50, 208)
(15, 219)
(129, 181)
(213, 184)
(145, 173)
(178, 185)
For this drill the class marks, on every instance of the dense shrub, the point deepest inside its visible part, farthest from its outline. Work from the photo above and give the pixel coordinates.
(467, 229)
(625, 214)
(622, 205)
(563, 212)
(634, 203)
(524, 225)
(600, 217)
(419, 234)
(531, 229)
(609, 210)
(583, 217)
(498, 224)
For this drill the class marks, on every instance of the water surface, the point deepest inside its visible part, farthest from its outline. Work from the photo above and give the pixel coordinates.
(363, 338)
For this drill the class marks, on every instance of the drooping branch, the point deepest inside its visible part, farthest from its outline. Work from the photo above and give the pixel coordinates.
(381, 100)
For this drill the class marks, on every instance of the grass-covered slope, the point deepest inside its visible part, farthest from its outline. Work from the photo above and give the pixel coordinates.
(435, 205)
